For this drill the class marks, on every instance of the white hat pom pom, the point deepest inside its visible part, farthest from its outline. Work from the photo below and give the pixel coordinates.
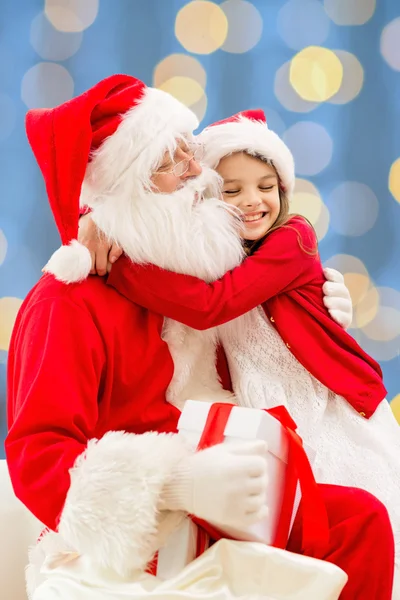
(70, 264)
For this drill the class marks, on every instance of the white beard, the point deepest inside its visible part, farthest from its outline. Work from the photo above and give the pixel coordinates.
(175, 231)
(180, 233)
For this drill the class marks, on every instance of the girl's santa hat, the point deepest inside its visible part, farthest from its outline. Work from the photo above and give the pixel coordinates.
(118, 127)
(248, 132)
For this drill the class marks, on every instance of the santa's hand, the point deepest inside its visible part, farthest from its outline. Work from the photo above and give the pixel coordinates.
(102, 251)
(225, 485)
(337, 298)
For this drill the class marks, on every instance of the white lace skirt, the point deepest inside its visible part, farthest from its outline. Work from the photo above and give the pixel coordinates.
(350, 450)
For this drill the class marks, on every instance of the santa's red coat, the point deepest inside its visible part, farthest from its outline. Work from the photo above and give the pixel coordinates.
(85, 361)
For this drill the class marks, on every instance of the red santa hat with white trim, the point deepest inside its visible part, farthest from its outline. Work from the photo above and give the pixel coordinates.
(114, 126)
(248, 132)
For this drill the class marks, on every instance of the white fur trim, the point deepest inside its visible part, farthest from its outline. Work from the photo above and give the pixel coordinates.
(111, 510)
(254, 137)
(146, 131)
(70, 263)
(195, 370)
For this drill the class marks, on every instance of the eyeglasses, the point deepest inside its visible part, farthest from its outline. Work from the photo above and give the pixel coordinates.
(195, 152)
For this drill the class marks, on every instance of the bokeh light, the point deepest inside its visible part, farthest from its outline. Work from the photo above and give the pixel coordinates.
(394, 180)
(316, 73)
(3, 246)
(46, 85)
(350, 12)
(71, 15)
(367, 307)
(390, 44)
(311, 146)
(189, 92)
(288, 96)
(353, 78)
(380, 322)
(9, 308)
(353, 207)
(50, 43)
(201, 27)
(307, 201)
(181, 65)
(303, 23)
(245, 26)
(8, 116)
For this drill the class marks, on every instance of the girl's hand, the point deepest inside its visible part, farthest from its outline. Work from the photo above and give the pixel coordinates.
(102, 251)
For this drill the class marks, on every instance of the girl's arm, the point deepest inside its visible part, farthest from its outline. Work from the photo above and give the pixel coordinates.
(282, 263)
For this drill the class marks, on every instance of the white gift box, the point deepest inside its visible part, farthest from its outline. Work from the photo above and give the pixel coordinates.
(248, 424)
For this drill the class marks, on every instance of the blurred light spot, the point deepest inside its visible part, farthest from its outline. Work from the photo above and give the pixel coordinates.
(308, 205)
(311, 146)
(350, 12)
(381, 351)
(181, 65)
(9, 308)
(201, 27)
(3, 246)
(316, 73)
(354, 208)
(303, 23)
(185, 89)
(286, 95)
(46, 85)
(394, 180)
(8, 116)
(390, 44)
(385, 326)
(189, 92)
(245, 26)
(307, 201)
(381, 334)
(395, 406)
(71, 15)
(353, 78)
(358, 285)
(367, 308)
(50, 43)
(322, 225)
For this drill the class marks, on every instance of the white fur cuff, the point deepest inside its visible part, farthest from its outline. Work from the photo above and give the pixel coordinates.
(111, 510)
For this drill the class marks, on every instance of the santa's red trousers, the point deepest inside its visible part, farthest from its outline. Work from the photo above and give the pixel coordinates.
(361, 542)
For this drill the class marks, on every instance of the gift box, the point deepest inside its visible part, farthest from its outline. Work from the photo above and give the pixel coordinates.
(202, 424)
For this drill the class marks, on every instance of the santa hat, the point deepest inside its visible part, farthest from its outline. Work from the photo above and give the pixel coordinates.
(97, 136)
(248, 132)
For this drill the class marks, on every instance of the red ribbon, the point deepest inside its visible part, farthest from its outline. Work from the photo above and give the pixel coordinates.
(315, 526)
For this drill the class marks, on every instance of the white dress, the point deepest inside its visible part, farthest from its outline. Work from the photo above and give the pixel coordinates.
(350, 450)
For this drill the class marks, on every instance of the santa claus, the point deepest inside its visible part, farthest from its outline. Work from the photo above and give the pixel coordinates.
(96, 383)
